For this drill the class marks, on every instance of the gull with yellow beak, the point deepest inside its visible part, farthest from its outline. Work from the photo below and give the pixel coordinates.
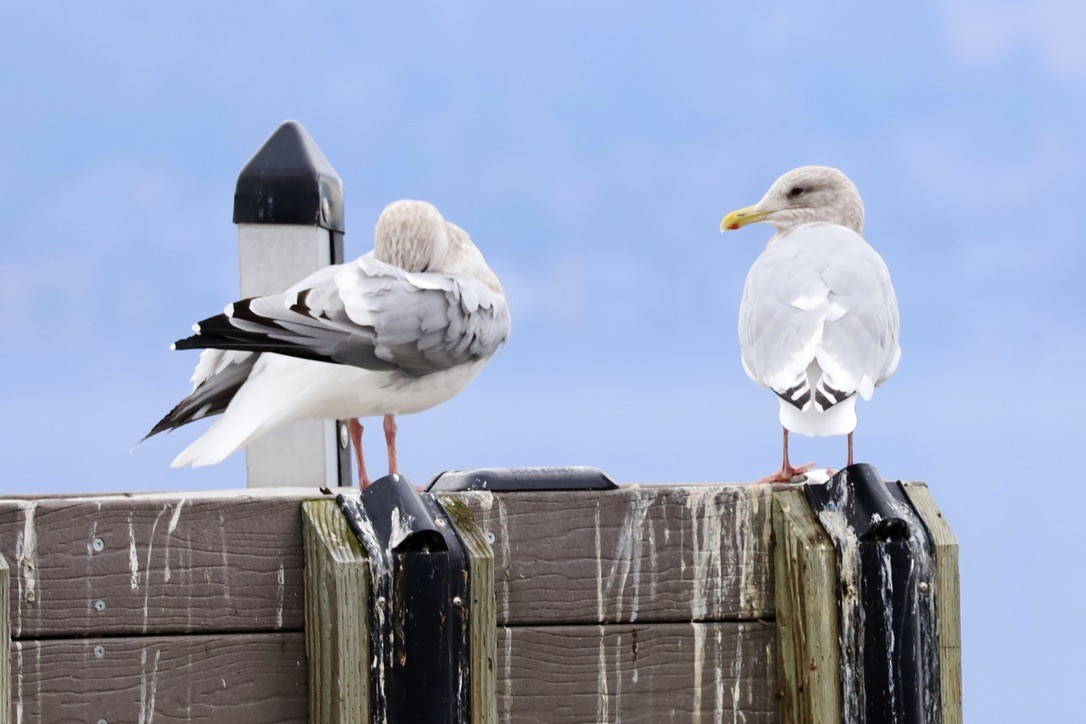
(818, 323)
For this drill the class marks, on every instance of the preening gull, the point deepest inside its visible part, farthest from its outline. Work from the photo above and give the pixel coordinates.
(818, 323)
(397, 331)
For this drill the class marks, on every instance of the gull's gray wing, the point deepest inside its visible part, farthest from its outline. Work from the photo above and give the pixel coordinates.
(367, 314)
(819, 294)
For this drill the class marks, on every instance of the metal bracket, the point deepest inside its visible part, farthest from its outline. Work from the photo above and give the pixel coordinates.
(521, 479)
(887, 612)
(419, 618)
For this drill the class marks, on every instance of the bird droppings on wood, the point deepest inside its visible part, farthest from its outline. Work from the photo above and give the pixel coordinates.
(169, 534)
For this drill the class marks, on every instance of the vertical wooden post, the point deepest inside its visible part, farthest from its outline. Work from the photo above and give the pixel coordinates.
(948, 601)
(337, 583)
(483, 612)
(5, 642)
(805, 571)
(288, 206)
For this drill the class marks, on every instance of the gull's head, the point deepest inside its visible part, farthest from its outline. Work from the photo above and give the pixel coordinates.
(412, 235)
(801, 196)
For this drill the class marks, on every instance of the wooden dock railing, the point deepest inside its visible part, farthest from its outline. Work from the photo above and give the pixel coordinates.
(651, 603)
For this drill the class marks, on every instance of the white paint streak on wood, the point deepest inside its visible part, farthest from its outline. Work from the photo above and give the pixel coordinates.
(280, 595)
(225, 557)
(147, 565)
(18, 682)
(627, 557)
(599, 567)
(507, 675)
(618, 678)
(699, 658)
(154, 689)
(133, 556)
(603, 700)
(169, 532)
(37, 666)
(26, 554)
(486, 499)
(655, 574)
(503, 531)
(737, 675)
(143, 687)
(707, 530)
(718, 679)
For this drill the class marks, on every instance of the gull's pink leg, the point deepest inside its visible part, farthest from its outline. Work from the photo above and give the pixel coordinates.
(390, 441)
(787, 472)
(354, 427)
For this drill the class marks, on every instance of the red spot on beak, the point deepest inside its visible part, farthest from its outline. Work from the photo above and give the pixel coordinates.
(733, 227)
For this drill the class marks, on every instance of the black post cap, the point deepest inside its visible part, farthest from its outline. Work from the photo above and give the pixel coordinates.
(289, 181)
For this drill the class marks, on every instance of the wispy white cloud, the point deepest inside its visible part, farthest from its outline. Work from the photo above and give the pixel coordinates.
(990, 34)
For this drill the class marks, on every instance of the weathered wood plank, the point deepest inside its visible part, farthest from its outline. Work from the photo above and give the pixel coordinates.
(806, 602)
(724, 672)
(154, 563)
(337, 587)
(482, 611)
(238, 678)
(5, 643)
(635, 554)
(948, 600)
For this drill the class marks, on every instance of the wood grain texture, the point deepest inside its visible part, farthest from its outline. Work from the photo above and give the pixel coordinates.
(722, 672)
(637, 554)
(5, 643)
(242, 678)
(482, 611)
(948, 600)
(806, 601)
(337, 588)
(163, 563)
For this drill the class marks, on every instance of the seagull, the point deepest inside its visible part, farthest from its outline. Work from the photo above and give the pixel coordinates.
(397, 331)
(818, 323)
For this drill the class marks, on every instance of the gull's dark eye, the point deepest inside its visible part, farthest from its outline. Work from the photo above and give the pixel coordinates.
(795, 191)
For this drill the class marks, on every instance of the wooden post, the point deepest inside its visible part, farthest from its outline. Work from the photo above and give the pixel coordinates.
(811, 590)
(289, 210)
(948, 600)
(483, 611)
(805, 569)
(337, 584)
(5, 642)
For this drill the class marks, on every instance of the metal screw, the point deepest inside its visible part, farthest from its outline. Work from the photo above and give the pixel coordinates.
(102, 721)
(98, 545)
(344, 440)
(325, 210)
(489, 537)
(457, 601)
(99, 652)
(924, 586)
(440, 522)
(99, 605)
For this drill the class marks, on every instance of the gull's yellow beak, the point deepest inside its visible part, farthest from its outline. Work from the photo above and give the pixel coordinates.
(742, 217)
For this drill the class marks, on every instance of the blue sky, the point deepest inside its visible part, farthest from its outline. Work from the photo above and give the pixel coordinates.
(591, 150)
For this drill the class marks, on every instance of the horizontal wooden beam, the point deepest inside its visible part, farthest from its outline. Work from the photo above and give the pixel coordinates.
(196, 678)
(638, 673)
(638, 554)
(158, 564)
